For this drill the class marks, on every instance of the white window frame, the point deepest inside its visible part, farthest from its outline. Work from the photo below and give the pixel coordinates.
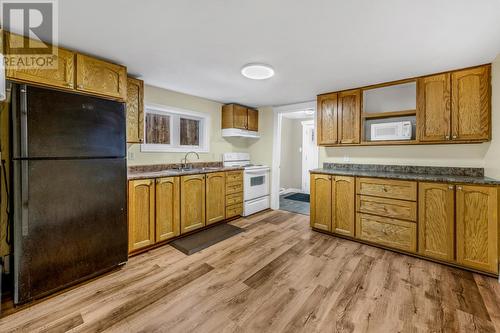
(175, 115)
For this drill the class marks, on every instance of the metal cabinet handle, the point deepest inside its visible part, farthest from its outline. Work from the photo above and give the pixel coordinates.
(80, 86)
(459, 188)
(451, 187)
(454, 137)
(447, 137)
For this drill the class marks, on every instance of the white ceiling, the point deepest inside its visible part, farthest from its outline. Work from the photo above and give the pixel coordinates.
(198, 46)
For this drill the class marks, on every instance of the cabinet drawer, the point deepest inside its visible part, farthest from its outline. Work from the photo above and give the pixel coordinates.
(234, 176)
(233, 199)
(394, 233)
(398, 209)
(396, 189)
(234, 187)
(234, 210)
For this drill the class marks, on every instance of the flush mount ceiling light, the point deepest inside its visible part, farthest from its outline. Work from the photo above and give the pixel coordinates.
(257, 71)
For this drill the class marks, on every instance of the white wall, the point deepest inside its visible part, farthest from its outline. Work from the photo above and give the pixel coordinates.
(291, 157)
(218, 144)
(484, 155)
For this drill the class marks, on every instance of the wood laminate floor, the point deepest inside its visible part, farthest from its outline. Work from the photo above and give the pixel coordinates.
(278, 276)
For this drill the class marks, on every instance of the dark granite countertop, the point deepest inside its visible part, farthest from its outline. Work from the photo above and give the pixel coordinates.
(431, 174)
(173, 172)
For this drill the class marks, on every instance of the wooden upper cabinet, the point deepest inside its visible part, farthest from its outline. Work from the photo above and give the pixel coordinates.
(135, 110)
(100, 77)
(477, 227)
(321, 202)
(253, 120)
(349, 116)
(327, 111)
(434, 108)
(436, 222)
(192, 202)
(216, 195)
(141, 214)
(343, 200)
(167, 208)
(471, 104)
(61, 75)
(241, 117)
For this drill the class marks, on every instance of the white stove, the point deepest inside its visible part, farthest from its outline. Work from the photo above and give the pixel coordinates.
(256, 180)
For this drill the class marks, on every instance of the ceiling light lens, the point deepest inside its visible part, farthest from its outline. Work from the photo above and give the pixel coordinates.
(257, 71)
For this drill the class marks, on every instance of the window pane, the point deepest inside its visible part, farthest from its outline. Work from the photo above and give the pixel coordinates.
(157, 128)
(190, 132)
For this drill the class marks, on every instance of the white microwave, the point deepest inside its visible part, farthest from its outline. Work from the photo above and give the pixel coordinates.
(399, 130)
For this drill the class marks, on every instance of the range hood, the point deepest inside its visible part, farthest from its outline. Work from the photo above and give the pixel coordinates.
(236, 132)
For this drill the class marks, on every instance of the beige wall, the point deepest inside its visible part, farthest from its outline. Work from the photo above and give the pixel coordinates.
(218, 144)
(485, 155)
(261, 150)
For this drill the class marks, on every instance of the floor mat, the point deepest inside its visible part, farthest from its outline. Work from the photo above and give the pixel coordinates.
(299, 197)
(203, 239)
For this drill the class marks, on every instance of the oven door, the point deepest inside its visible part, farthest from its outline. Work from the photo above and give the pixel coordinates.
(256, 183)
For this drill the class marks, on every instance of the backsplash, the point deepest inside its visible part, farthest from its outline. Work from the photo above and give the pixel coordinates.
(431, 170)
(160, 167)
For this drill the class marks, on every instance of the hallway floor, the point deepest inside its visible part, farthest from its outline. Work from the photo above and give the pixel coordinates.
(293, 206)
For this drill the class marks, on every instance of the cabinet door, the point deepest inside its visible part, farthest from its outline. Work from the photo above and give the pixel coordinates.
(100, 77)
(135, 110)
(327, 119)
(343, 199)
(141, 214)
(167, 208)
(434, 107)
(477, 224)
(471, 104)
(61, 76)
(253, 120)
(240, 117)
(192, 202)
(436, 223)
(349, 118)
(216, 195)
(321, 202)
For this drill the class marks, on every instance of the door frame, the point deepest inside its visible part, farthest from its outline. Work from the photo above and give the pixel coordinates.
(315, 151)
(275, 168)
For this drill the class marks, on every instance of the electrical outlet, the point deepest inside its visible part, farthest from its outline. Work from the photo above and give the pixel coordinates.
(131, 155)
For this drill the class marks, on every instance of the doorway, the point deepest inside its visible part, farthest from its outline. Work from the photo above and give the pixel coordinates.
(295, 153)
(310, 153)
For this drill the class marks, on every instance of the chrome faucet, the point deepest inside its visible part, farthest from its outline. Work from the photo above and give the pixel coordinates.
(185, 159)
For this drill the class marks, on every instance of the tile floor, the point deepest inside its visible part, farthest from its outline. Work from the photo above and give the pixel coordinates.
(293, 206)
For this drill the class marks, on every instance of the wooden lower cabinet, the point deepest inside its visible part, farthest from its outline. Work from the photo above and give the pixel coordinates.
(215, 197)
(385, 231)
(343, 200)
(192, 202)
(321, 202)
(457, 224)
(436, 222)
(477, 227)
(141, 214)
(167, 208)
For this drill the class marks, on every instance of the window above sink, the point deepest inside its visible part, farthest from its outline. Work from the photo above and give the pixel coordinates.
(170, 129)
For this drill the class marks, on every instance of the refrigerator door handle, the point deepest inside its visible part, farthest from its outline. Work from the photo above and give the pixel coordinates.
(24, 197)
(24, 121)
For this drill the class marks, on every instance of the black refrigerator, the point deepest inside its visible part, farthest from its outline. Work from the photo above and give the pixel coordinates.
(70, 191)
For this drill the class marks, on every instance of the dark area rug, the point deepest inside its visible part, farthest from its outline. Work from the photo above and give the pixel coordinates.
(298, 197)
(203, 239)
